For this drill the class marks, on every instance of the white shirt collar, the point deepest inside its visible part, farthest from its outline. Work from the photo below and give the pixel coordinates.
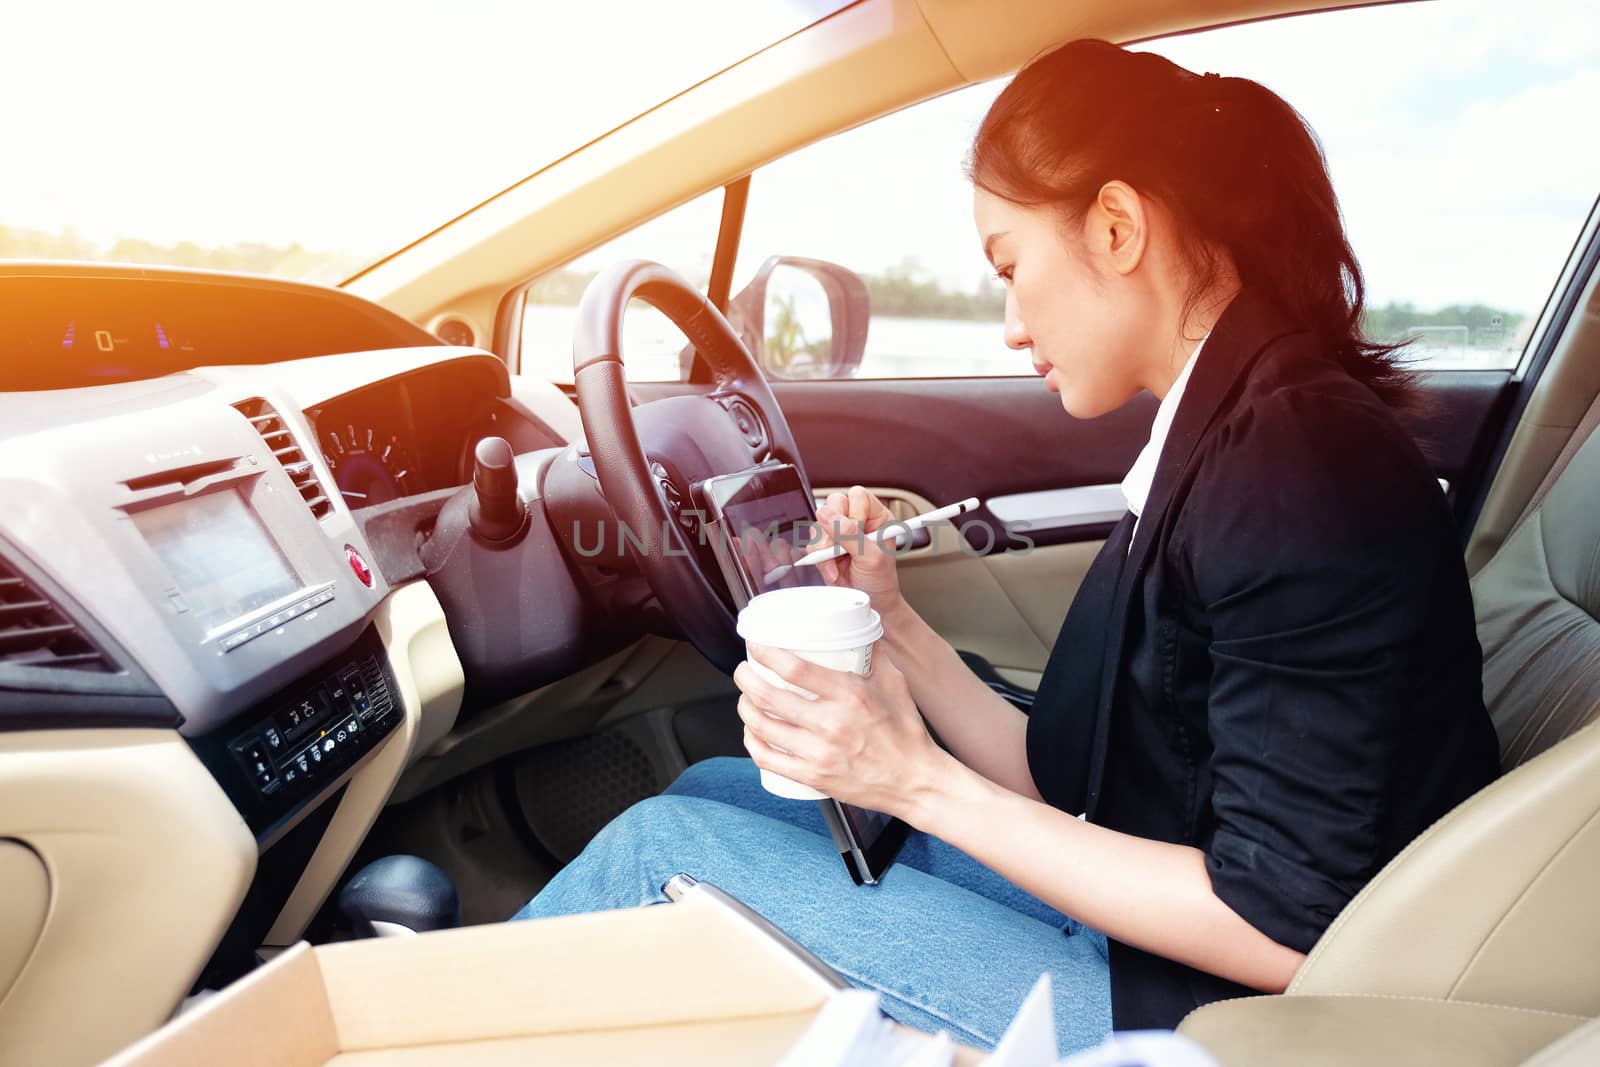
(1136, 486)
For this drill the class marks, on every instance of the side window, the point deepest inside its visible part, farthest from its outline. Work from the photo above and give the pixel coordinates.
(1456, 136)
(891, 202)
(684, 239)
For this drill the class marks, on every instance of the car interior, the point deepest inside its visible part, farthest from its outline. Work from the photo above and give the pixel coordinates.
(297, 580)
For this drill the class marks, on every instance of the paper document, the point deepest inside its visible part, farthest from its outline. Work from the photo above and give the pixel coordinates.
(1030, 1040)
(851, 1031)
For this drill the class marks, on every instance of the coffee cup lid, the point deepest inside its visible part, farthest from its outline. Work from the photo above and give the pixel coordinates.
(822, 618)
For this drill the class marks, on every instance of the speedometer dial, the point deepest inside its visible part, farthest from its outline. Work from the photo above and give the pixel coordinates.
(368, 466)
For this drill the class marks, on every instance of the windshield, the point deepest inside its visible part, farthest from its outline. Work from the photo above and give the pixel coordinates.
(308, 139)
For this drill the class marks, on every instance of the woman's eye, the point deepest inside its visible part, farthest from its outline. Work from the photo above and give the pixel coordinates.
(1003, 274)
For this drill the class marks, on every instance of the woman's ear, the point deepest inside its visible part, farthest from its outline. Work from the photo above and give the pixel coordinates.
(1120, 226)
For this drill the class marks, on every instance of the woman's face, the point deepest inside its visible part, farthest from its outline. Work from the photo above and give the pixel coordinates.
(1074, 297)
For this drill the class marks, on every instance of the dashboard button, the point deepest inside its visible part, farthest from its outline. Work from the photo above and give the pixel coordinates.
(258, 766)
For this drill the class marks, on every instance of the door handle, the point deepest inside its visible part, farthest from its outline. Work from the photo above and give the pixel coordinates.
(902, 504)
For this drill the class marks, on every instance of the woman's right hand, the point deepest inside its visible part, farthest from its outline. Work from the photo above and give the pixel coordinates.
(855, 517)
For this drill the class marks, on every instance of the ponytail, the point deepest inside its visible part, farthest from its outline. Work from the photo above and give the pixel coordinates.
(1237, 167)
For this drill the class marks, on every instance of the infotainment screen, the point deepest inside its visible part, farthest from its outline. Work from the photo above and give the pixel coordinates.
(219, 556)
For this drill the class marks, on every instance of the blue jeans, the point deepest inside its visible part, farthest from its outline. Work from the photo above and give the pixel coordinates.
(947, 942)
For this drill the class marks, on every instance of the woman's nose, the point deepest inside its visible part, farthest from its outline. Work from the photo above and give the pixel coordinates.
(1016, 333)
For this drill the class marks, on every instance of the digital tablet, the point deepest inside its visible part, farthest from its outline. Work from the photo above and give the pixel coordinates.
(868, 840)
(759, 518)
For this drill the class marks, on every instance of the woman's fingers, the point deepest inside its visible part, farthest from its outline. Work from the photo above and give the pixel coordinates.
(794, 670)
(757, 688)
(861, 503)
(771, 759)
(867, 509)
(839, 528)
(779, 734)
(829, 521)
(775, 700)
(833, 526)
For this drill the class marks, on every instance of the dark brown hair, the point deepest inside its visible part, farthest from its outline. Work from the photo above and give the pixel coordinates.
(1236, 166)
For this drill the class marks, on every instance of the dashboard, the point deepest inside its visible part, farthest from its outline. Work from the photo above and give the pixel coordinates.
(70, 326)
(207, 522)
(415, 433)
(215, 493)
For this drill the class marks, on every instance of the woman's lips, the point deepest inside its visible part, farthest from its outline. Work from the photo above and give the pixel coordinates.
(1044, 369)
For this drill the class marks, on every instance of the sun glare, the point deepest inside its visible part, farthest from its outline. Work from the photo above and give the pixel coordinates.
(309, 138)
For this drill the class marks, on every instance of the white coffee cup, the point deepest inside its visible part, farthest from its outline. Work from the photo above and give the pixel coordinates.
(831, 626)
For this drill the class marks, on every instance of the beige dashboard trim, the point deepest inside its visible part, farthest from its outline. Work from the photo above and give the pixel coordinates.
(412, 625)
(147, 862)
(25, 888)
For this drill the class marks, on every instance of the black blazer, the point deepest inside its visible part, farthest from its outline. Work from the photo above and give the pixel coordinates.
(1282, 670)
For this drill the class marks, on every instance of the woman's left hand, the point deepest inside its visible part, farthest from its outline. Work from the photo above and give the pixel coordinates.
(862, 740)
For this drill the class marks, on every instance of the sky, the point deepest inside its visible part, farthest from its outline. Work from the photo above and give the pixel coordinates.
(340, 124)
(1460, 139)
(1459, 135)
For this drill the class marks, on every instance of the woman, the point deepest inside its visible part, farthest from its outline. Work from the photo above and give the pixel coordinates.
(1268, 682)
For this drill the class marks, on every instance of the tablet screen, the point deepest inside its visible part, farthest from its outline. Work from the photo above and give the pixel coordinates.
(769, 519)
(866, 823)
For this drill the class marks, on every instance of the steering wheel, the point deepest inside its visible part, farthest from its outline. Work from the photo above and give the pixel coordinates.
(648, 458)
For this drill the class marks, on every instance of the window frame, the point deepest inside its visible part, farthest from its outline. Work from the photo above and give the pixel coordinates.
(507, 340)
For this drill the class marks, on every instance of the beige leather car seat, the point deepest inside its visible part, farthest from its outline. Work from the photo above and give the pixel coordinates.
(1480, 943)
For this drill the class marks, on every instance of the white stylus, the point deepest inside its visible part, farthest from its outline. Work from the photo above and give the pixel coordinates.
(897, 530)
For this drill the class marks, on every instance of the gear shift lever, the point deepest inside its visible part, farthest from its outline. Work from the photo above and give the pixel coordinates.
(400, 895)
(496, 512)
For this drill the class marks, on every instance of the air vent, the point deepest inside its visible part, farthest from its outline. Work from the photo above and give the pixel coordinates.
(377, 687)
(270, 425)
(33, 633)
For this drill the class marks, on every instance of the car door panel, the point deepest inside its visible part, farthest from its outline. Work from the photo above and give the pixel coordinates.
(1007, 441)
(947, 439)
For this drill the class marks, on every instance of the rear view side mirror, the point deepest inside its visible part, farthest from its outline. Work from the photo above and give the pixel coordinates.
(803, 318)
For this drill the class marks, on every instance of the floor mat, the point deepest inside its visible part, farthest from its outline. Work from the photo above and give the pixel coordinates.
(569, 790)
